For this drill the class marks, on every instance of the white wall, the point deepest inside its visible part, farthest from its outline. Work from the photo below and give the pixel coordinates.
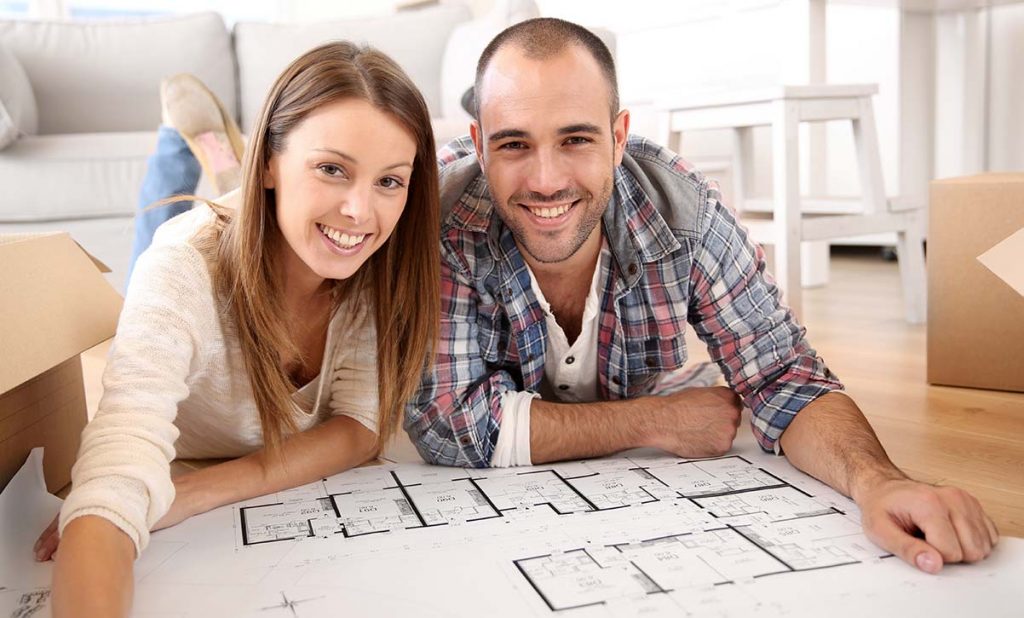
(734, 44)
(694, 45)
(1006, 90)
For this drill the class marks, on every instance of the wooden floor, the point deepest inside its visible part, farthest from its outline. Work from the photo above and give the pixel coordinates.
(952, 436)
(970, 438)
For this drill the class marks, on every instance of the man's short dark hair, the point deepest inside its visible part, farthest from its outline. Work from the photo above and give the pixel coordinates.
(544, 37)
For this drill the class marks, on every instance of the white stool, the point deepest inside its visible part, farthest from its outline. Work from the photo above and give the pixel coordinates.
(784, 108)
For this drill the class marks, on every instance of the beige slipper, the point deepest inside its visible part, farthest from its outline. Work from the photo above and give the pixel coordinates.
(209, 130)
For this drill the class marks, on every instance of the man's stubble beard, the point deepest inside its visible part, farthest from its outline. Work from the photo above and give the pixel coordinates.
(591, 219)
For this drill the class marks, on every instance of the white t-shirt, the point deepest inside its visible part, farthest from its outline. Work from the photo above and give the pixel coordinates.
(570, 371)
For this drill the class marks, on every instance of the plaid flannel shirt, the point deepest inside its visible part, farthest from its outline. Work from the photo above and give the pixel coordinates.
(679, 257)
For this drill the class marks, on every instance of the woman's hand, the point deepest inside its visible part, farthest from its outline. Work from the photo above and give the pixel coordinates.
(186, 504)
(46, 545)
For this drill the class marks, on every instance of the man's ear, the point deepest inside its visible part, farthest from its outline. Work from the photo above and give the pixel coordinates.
(478, 141)
(620, 131)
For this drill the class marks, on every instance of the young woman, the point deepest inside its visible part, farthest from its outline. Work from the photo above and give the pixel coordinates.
(285, 328)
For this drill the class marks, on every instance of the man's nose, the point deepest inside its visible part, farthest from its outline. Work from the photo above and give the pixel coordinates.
(548, 173)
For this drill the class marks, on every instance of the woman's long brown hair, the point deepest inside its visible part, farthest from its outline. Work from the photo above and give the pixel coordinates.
(401, 279)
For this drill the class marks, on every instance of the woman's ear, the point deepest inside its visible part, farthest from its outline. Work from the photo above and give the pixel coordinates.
(269, 179)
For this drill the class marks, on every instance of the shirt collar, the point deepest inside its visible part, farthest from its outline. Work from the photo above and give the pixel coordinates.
(636, 232)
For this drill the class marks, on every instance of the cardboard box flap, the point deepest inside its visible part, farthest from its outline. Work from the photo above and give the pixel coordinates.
(985, 178)
(1006, 260)
(13, 238)
(56, 304)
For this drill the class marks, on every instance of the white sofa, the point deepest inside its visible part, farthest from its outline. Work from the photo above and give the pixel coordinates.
(96, 91)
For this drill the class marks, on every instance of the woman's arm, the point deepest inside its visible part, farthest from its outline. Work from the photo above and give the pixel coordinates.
(93, 574)
(331, 447)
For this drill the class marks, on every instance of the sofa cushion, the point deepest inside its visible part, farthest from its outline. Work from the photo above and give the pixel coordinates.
(17, 103)
(467, 42)
(105, 75)
(55, 177)
(414, 39)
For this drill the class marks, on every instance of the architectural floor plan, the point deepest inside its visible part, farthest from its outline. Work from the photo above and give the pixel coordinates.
(640, 534)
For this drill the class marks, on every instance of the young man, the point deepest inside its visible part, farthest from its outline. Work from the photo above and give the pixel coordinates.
(573, 259)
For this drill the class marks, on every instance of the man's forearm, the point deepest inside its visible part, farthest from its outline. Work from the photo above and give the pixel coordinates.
(560, 431)
(832, 441)
(695, 422)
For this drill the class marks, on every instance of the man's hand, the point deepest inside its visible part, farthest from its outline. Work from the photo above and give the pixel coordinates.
(897, 513)
(695, 422)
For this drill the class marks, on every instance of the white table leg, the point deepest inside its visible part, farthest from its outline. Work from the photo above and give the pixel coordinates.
(916, 142)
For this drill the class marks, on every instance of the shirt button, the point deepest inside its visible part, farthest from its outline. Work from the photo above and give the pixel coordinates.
(650, 362)
(466, 440)
(616, 380)
(563, 387)
(632, 269)
(570, 360)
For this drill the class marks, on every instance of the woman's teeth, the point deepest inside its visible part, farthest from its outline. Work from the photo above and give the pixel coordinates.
(343, 240)
(550, 213)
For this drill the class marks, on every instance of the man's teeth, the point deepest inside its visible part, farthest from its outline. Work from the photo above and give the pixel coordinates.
(340, 238)
(550, 213)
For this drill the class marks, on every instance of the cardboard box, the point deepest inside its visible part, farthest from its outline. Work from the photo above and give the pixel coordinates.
(976, 282)
(54, 304)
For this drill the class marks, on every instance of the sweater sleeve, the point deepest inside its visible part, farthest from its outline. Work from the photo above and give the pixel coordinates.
(123, 469)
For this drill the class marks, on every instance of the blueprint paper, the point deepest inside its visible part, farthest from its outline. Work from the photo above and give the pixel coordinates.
(641, 534)
(26, 508)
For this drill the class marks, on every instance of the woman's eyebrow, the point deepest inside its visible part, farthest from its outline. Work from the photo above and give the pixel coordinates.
(353, 160)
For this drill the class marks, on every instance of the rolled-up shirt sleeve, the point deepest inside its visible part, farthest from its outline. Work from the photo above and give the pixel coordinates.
(736, 310)
(455, 417)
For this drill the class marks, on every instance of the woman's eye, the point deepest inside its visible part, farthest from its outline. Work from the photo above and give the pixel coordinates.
(390, 182)
(330, 169)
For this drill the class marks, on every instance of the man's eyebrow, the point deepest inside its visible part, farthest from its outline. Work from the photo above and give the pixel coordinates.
(583, 127)
(506, 134)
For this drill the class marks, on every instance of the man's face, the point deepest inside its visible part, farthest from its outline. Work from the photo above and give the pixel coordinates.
(548, 146)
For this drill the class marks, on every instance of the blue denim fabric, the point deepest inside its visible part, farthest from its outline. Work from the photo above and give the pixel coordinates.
(171, 170)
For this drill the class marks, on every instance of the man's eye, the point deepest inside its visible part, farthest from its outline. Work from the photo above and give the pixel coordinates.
(512, 146)
(576, 139)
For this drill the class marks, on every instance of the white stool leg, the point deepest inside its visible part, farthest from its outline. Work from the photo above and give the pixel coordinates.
(786, 194)
(742, 165)
(910, 252)
(865, 139)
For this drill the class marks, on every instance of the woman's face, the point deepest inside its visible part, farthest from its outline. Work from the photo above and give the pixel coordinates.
(341, 184)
